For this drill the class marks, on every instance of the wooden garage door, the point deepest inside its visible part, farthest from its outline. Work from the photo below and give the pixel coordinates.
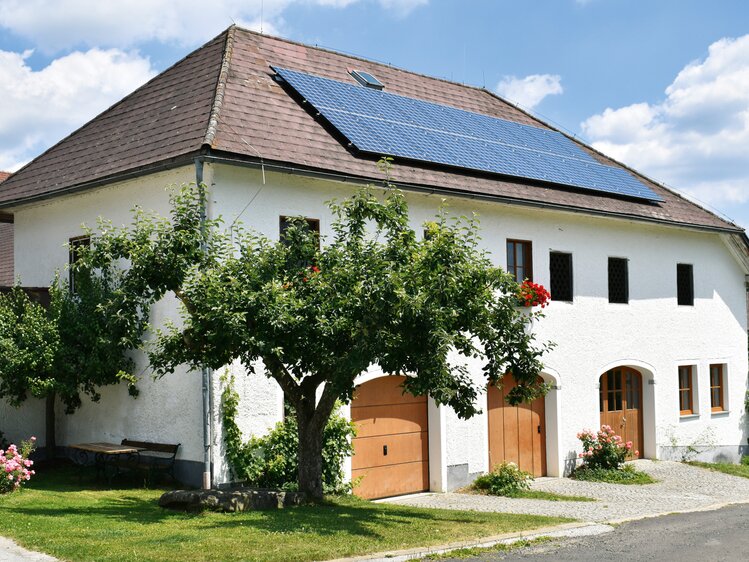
(391, 449)
(516, 433)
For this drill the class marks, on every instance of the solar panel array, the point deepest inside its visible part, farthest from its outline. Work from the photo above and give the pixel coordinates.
(382, 123)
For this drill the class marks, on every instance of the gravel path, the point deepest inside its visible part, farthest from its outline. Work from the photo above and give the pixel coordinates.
(680, 488)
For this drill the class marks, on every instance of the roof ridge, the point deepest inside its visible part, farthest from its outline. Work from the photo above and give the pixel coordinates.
(218, 96)
(373, 61)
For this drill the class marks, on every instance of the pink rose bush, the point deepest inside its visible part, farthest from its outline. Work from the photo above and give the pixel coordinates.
(15, 466)
(604, 449)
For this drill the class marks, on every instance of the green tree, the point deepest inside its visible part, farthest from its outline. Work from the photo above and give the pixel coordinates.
(74, 346)
(313, 317)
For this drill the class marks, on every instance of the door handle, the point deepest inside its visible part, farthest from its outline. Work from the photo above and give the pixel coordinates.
(539, 429)
(385, 450)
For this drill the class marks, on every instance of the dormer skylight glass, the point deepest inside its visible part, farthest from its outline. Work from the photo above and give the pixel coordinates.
(366, 79)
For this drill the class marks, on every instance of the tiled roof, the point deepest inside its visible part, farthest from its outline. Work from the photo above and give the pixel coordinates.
(4, 176)
(223, 99)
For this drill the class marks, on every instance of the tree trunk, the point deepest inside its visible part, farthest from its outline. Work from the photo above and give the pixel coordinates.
(50, 443)
(310, 452)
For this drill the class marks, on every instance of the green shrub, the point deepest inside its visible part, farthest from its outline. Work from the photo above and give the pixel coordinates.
(625, 475)
(604, 449)
(745, 460)
(271, 461)
(505, 480)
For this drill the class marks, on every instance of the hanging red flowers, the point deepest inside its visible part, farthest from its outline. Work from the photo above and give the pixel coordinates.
(533, 294)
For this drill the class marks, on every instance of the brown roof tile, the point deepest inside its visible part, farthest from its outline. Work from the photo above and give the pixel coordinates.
(224, 95)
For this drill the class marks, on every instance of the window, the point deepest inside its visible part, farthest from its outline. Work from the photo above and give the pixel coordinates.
(686, 399)
(74, 246)
(684, 284)
(618, 280)
(520, 260)
(312, 224)
(560, 272)
(717, 395)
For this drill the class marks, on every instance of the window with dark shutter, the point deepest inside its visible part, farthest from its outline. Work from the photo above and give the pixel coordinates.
(618, 281)
(520, 260)
(74, 251)
(685, 284)
(560, 273)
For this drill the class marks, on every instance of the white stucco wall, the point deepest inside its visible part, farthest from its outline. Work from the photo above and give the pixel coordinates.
(651, 333)
(167, 408)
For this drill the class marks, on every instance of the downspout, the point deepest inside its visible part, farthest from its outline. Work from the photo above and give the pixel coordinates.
(206, 372)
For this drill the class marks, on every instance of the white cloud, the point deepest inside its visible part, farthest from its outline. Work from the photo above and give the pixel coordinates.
(40, 107)
(402, 8)
(531, 90)
(56, 25)
(697, 137)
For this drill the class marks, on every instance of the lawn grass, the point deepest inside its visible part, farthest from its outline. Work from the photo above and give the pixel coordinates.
(724, 467)
(627, 475)
(478, 552)
(57, 516)
(549, 496)
(531, 495)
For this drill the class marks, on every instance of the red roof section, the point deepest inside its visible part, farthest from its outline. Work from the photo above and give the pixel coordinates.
(223, 98)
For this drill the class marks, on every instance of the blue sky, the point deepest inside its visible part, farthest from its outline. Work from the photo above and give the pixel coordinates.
(662, 85)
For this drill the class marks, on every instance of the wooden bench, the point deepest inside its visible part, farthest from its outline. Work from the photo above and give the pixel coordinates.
(151, 458)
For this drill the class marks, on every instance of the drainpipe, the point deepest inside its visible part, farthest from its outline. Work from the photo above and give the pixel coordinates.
(206, 373)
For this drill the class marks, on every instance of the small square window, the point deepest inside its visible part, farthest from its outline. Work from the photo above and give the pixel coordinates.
(312, 224)
(684, 284)
(520, 260)
(560, 273)
(717, 388)
(686, 393)
(618, 280)
(74, 252)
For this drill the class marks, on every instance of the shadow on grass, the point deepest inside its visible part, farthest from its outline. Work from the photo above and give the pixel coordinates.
(89, 505)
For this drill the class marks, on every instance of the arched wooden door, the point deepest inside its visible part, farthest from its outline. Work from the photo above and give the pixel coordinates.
(391, 447)
(620, 403)
(516, 433)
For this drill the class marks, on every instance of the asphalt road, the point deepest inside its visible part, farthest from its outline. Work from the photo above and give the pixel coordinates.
(709, 535)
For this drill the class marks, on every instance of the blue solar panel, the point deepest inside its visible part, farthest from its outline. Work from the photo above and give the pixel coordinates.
(382, 123)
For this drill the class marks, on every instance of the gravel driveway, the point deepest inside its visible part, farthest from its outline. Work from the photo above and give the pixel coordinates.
(680, 488)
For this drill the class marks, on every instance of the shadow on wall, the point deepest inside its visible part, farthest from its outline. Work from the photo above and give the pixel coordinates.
(570, 462)
(744, 424)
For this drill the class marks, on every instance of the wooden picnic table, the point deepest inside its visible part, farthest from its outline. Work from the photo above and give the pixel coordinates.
(108, 457)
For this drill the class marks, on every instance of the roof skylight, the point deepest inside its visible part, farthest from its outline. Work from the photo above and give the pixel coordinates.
(366, 79)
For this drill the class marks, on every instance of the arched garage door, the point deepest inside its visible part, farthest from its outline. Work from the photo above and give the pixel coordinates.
(391, 449)
(516, 433)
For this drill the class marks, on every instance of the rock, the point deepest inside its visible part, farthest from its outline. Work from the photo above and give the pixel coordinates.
(240, 499)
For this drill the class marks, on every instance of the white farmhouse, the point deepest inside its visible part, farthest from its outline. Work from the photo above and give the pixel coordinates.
(649, 309)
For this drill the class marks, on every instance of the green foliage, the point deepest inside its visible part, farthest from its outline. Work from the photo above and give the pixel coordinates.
(745, 460)
(504, 480)
(626, 475)
(271, 461)
(29, 346)
(77, 344)
(315, 316)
